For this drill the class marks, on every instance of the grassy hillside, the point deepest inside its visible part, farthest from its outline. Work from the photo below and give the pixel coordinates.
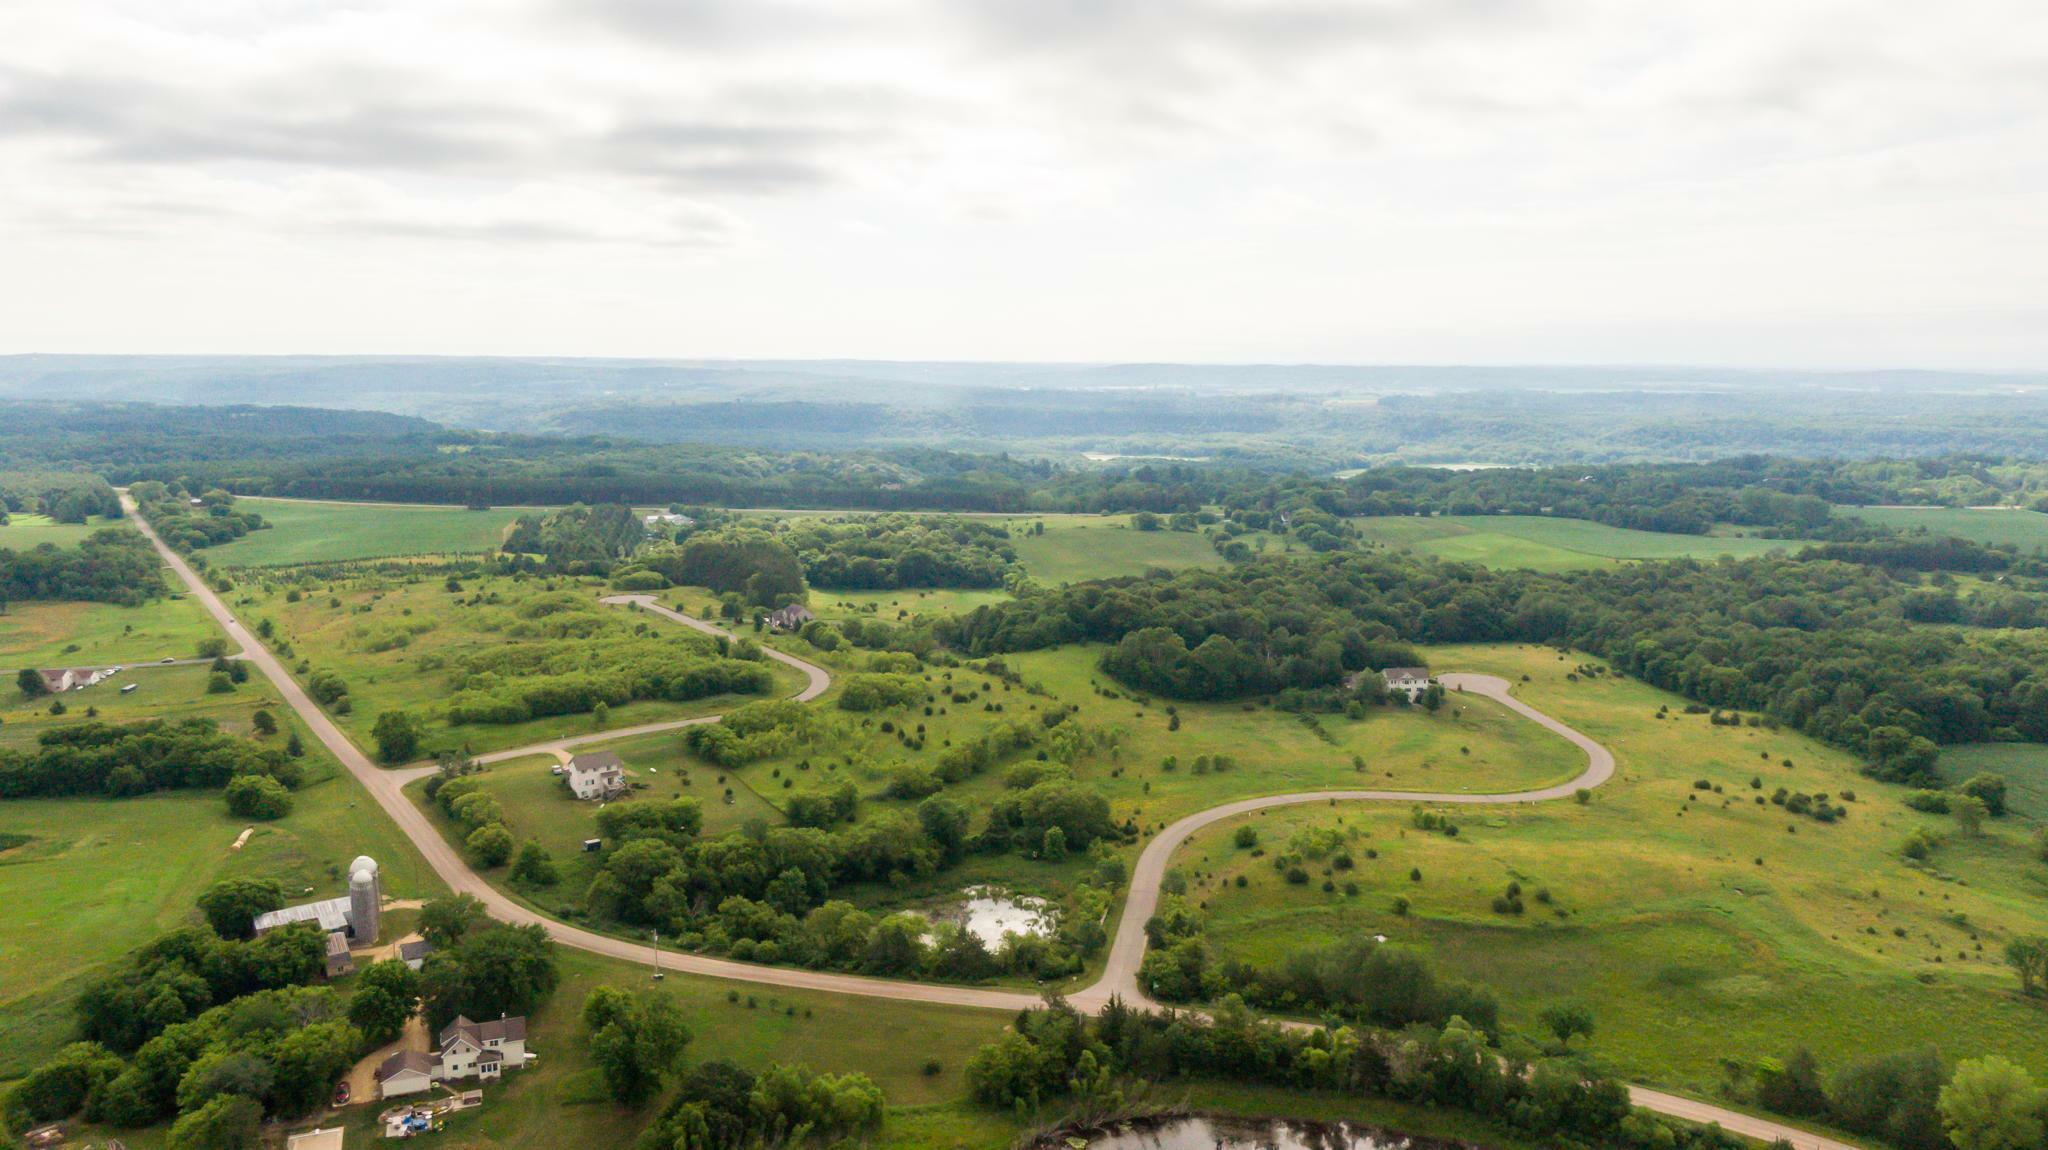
(2027, 530)
(1544, 543)
(98, 634)
(2024, 765)
(1080, 547)
(1697, 924)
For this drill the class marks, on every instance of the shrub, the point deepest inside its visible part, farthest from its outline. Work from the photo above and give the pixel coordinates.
(258, 797)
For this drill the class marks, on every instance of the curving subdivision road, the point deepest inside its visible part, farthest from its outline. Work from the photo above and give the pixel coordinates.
(1127, 951)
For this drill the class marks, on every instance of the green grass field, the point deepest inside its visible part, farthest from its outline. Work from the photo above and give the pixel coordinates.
(417, 675)
(328, 532)
(69, 634)
(1545, 543)
(2024, 765)
(2027, 530)
(21, 532)
(1075, 548)
(99, 877)
(1697, 924)
(1472, 744)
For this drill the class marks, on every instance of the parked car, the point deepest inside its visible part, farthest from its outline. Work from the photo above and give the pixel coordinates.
(341, 1094)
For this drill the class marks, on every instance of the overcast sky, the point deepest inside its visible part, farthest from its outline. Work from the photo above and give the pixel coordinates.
(1449, 181)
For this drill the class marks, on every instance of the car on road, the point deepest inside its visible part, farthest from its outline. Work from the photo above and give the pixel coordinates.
(167, 659)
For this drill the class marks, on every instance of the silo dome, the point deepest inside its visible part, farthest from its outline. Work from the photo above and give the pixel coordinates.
(363, 876)
(362, 863)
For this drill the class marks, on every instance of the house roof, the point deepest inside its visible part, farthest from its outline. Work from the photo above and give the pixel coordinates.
(511, 1029)
(418, 1061)
(596, 761)
(332, 914)
(330, 1139)
(415, 948)
(1405, 673)
(337, 944)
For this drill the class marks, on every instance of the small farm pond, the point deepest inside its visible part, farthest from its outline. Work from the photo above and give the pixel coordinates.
(1219, 1133)
(988, 913)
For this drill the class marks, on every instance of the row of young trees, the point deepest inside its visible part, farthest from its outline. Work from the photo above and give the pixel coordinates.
(190, 520)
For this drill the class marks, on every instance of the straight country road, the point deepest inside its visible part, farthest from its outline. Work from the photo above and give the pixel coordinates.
(1127, 952)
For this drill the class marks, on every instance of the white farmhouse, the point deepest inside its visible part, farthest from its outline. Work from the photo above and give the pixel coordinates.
(597, 775)
(1410, 681)
(481, 1050)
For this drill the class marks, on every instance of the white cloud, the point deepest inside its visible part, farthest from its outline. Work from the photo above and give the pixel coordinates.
(1446, 180)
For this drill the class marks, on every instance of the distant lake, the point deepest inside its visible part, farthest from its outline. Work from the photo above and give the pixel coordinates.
(1206, 1133)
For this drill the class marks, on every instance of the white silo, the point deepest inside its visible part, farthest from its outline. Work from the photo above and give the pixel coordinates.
(365, 899)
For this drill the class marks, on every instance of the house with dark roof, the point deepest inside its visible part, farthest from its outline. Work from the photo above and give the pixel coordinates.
(790, 618)
(1410, 681)
(413, 952)
(465, 1049)
(596, 775)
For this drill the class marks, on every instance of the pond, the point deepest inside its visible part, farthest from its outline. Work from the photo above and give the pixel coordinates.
(1219, 1133)
(989, 912)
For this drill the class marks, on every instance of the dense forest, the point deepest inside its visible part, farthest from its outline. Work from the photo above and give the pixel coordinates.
(313, 453)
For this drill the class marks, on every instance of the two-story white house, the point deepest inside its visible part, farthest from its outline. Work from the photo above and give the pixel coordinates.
(597, 775)
(1410, 681)
(481, 1050)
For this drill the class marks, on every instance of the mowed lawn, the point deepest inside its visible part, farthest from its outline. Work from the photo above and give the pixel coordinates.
(1546, 543)
(329, 532)
(1697, 924)
(72, 634)
(2027, 530)
(98, 877)
(2024, 766)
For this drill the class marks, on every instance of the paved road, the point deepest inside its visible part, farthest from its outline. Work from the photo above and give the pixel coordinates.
(1120, 972)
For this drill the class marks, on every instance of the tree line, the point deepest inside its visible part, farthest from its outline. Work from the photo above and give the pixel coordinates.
(1824, 646)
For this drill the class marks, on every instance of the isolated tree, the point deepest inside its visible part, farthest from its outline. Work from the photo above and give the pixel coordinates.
(294, 746)
(2028, 957)
(31, 683)
(1567, 1021)
(1969, 812)
(398, 736)
(258, 797)
(1991, 1104)
(263, 722)
(535, 865)
(1990, 788)
(636, 1042)
(232, 904)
